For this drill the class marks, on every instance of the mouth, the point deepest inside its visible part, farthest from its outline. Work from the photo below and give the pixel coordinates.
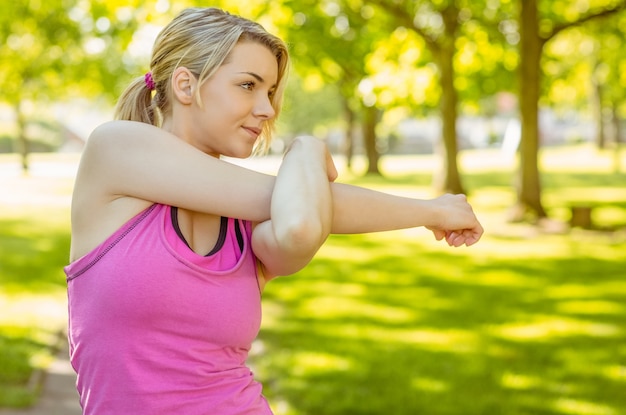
(253, 131)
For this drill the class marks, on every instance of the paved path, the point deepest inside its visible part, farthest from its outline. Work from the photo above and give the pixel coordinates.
(59, 396)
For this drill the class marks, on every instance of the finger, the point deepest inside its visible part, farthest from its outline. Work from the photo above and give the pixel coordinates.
(451, 237)
(331, 169)
(459, 239)
(439, 234)
(473, 236)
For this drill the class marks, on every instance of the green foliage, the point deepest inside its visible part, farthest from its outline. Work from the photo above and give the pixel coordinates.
(305, 110)
(34, 51)
(584, 58)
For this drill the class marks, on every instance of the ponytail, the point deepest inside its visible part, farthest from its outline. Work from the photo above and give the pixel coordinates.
(136, 104)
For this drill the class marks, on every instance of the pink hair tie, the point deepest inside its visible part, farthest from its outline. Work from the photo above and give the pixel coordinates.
(149, 81)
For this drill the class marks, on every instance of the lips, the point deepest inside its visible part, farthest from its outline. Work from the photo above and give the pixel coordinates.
(253, 130)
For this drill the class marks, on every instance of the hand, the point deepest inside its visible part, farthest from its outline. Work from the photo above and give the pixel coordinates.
(458, 223)
(331, 169)
(310, 141)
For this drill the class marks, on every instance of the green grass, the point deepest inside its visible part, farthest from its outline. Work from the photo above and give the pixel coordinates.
(396, 325)
(34, 244)
(529, 321)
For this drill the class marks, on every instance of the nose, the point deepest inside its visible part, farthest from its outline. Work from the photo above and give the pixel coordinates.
(263, 108)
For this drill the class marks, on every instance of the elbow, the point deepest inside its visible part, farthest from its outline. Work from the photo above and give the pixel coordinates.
(297, 245)
(287, 248)
(301, 238)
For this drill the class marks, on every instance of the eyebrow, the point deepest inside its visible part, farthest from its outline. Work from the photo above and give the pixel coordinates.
(257, 77)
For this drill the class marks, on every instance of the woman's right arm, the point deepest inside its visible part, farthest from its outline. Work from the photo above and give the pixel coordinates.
(132, 159)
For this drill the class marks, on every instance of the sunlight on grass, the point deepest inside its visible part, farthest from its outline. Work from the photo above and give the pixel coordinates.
(581, 157)
(520, 381)
(34, 310)
(456, 341)
(504, 278)
(593, 307)
(344, 254)
(313, 362)
(615, 372)
(336, 307)
(545, 328)
(601, 290)
(595, 196)
(581, 407)
(429, 385)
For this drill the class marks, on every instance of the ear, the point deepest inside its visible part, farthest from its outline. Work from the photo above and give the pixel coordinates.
(183, 85)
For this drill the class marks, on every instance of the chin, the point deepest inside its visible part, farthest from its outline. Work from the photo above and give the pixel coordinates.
(242, 153)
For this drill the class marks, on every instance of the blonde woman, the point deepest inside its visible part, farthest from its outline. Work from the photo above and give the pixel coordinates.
(172, 247)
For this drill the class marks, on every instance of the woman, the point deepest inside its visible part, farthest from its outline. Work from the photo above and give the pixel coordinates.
(172, 247)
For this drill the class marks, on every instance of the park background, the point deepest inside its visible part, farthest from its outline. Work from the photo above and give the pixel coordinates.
(518, 103)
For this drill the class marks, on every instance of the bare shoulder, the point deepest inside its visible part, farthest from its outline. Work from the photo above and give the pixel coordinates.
(127, 166)
(97, 212)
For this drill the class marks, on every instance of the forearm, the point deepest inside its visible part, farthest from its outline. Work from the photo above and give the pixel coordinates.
(301, 208)
(361, 210)
(358, 210)
(300, 212)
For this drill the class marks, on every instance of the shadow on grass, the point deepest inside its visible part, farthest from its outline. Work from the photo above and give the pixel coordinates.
(440, 333)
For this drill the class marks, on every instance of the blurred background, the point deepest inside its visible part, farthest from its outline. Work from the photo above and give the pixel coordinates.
(518, 103)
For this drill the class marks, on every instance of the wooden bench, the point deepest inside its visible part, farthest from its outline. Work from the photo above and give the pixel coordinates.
(581, 216)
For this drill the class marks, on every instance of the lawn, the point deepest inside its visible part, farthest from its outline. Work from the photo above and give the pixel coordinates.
(34, 244)
(530, 321)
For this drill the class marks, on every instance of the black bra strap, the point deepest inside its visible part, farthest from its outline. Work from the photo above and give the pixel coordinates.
(239, 235)
(220, 240)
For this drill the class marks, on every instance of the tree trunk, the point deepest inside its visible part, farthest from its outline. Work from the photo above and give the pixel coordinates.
(348, 145)
(370, 119)
(529, 186)
(22, 142)
(449, 179)
(617, 137)
(596, 101)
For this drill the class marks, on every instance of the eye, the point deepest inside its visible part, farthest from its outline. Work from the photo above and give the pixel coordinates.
(248, 85)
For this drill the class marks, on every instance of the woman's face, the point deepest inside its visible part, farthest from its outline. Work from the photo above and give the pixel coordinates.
(236, 102)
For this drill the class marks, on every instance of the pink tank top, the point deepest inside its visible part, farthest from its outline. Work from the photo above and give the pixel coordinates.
(155, 328)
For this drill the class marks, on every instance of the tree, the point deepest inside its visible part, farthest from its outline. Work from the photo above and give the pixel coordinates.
(32, 55)
(607, 78)
(331, 41)
(72, 54)
(536, 29)
(470, 62)
(437, 23)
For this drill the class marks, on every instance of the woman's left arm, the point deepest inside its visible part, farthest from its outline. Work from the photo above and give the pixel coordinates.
(300, 210)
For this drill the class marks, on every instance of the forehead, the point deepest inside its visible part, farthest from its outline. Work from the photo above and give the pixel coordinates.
(254, 57)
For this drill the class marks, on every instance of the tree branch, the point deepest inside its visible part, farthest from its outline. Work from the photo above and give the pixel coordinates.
(405, 19)
(583, 19)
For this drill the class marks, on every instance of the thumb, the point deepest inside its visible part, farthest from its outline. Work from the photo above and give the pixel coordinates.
(439, 234)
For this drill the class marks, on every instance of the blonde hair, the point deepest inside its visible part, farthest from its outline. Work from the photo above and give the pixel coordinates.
(200, 39)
